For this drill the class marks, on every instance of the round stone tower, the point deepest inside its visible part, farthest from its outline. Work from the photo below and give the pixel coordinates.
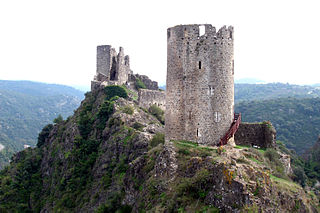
(200, 85)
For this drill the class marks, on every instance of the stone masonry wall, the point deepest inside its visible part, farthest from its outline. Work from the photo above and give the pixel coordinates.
(200, 85)
(150, 97)
(104, 59)
(258, 134)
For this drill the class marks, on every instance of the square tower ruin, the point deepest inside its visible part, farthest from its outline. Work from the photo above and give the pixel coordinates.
(200, 83)
(112, 67)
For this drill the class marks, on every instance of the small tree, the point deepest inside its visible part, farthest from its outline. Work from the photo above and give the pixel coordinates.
(115, 90)
(44, 134)
(58, 119)
(157, 139)
(139, 84)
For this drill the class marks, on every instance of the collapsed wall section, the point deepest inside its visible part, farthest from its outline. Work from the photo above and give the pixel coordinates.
(150, 97)
(200, 86)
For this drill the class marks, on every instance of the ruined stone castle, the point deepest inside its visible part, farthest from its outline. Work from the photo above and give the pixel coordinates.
(199, 97)
(200, 85)
(114, 69)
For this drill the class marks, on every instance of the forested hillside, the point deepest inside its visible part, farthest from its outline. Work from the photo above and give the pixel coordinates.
(25, 107)
(249, 92)
(297, 120)
(312, 161)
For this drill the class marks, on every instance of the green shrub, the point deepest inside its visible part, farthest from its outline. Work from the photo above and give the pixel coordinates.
(22, 186)
(58, 119)
(299, 176)
(139, 84)
(113, 204)
(44, 134)
(138, 126)
(85, 122)
(84, 154)
(158, 138)
(196, 186)
(272, 155)
(268, 124)
(257, 154)
(157, 112)
(114, 122)
(128, 109)
(85, 119)
(184, 151)
(105, 111)
(115, 90)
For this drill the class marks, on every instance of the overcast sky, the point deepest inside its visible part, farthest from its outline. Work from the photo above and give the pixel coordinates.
(55, 41)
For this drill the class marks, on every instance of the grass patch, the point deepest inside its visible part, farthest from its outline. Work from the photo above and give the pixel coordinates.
(286, 184)
(255, 160)
(192, 149)
(133, 94)
(241, 147)
(157, 112)
(187, 143)
(261, 150)
(139, 84)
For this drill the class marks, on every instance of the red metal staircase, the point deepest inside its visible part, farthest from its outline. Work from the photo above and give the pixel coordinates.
(233, 129)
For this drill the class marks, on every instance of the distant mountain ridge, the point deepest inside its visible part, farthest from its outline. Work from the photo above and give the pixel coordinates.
(249, 92)
(39, 88)
(25, 107)
(248, 81)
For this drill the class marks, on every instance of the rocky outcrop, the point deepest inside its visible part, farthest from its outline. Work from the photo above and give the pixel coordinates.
(111, 156)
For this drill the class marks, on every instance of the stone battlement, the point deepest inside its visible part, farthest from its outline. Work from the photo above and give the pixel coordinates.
(201, 32)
